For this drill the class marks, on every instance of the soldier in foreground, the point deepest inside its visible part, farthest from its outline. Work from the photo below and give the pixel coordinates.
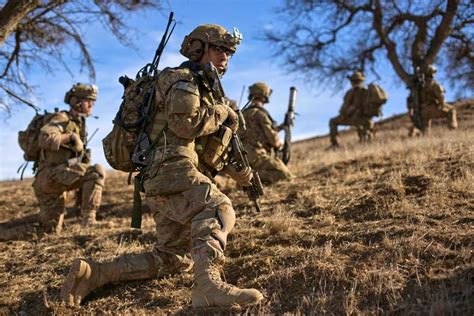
(431, 104)
(191, 214)
(352, 111)
(63, 166)
(261, 139)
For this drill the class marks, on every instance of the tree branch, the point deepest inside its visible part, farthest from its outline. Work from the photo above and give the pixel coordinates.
(442, 32)
(389, 45)
(11, 15)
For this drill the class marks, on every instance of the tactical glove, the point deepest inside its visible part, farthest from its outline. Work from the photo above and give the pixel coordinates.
(232, 119)
(242, 177)
(75, 143)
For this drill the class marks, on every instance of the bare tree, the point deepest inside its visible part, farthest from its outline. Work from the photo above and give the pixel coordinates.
(327, 39)
(34, 32)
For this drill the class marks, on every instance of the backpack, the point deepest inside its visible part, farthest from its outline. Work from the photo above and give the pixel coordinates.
(29, 138)
(376, 97)
(128, 137)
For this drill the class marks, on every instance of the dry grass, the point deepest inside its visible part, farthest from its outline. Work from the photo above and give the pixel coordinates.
(380, 228)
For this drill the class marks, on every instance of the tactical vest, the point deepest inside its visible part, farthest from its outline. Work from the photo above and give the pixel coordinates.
(254, 135)
(428, 95)
(64, 154)
(211, 149)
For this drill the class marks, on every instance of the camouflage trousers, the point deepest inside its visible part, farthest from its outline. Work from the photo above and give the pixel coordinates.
(271, 169)
(192, 216)
(365, 127)
(52, 182)
(429, 113)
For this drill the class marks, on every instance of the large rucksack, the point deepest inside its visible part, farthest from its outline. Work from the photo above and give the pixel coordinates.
(376, 97)
(127, 147)
(135, 111)
(29, 138)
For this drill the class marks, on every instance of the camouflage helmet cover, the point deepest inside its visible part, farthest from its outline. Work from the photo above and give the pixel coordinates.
(430, 71)
(260, 89)
(197, 42)
(357, 76)
(81, 91)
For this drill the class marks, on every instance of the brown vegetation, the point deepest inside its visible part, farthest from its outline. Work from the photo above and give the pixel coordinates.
(380, 228)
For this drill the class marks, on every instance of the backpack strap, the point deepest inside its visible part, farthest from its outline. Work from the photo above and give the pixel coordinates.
(261, 108)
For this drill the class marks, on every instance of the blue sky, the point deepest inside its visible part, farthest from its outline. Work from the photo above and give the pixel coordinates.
(253, 62)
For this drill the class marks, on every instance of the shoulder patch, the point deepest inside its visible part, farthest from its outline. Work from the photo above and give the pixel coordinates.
(187, 86)
(58, 118)
(170, 76)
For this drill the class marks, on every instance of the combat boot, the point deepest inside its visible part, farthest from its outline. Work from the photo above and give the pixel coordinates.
(210, 290)
(452, 119)
(87, 275)
(88, 217)
(91, 196)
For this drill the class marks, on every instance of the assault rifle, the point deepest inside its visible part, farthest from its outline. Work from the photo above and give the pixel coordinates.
(143, 148)
(288, 124)
(418, 84)
(238, 153)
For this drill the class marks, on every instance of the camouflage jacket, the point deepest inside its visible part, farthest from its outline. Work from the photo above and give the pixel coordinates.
(432, 94)
(189, 109)
(261, 129)
(53, 153)
(353, 101)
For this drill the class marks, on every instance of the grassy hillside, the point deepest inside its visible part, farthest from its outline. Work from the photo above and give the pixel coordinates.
(383, 227)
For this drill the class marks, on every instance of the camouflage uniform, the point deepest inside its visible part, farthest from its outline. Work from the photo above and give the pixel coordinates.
(61, 169)
(261, 138)
(191, 214)
(432, 104)
(352, 113)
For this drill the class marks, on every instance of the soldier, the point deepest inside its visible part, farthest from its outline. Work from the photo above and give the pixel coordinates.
(64, 166)
(432, 104)
(191, 214)
(261, 139)
(352, 111)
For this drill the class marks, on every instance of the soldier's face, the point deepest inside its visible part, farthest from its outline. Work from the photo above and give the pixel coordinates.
(219, 57)
(86, 107)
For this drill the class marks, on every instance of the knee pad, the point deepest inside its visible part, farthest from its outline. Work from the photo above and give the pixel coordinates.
(212, 227)
(95, 173)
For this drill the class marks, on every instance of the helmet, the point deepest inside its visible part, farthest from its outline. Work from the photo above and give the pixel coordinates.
(357, 76)
(430, 71)
(197, 42)
(260, 90)
(80, 91)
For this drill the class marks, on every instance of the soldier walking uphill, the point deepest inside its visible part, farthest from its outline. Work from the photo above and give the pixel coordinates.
(352, 111)
(62, 167)
(431, 105)
(260, 138)
(191, 214)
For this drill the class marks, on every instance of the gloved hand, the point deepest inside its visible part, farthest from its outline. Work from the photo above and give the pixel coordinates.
(75, 142)
(232, 119)
(280, 127)
(242, 177)
(279, 145)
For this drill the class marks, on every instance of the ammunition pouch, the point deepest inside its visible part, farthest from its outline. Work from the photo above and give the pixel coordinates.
(212, 149)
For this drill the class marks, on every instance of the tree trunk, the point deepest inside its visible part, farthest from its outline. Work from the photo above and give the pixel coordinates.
(12, 14)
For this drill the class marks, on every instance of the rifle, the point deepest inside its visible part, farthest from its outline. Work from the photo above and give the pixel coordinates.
(238, 153)
(418, 84)
(288, 124)
(144, 147)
